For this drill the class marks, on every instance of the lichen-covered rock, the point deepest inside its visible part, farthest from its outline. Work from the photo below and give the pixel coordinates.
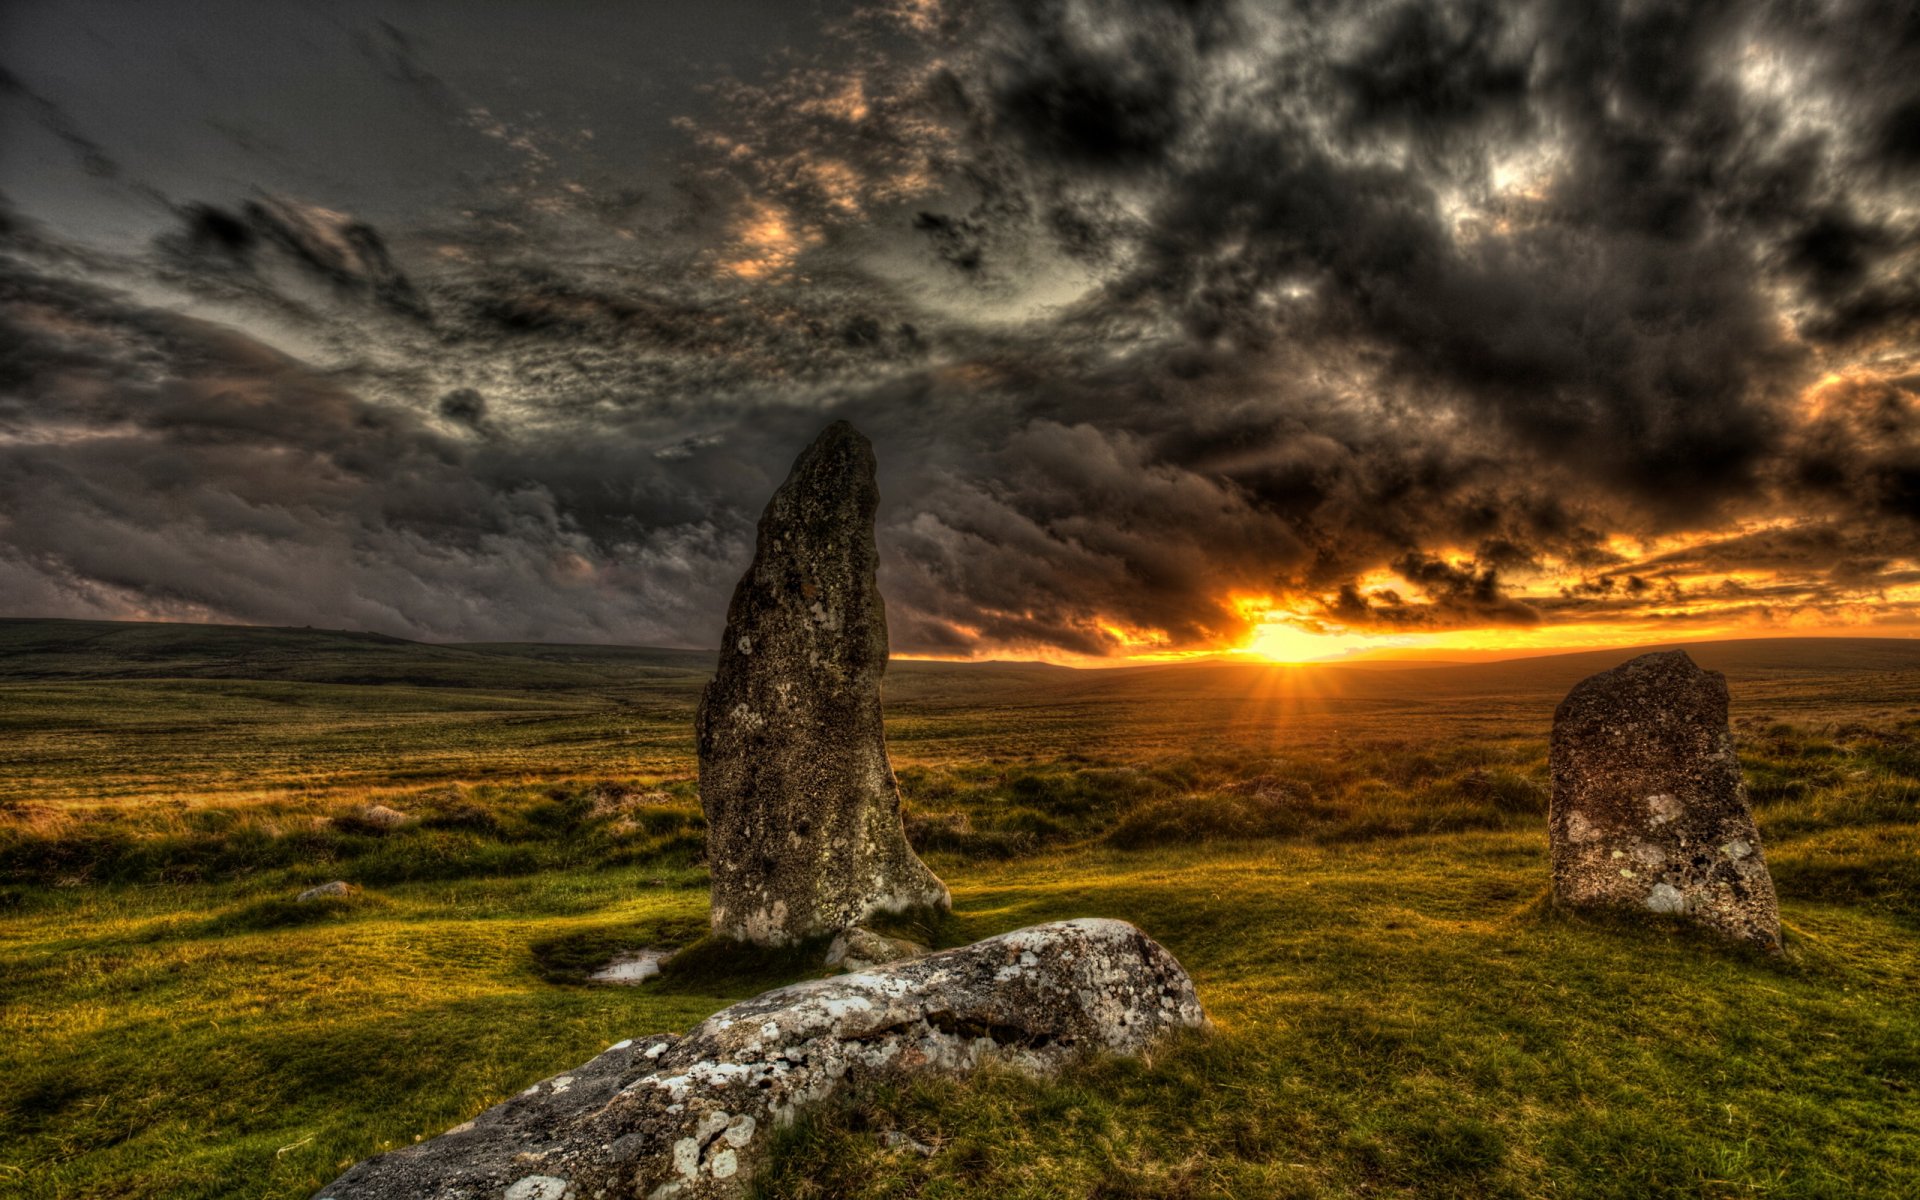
(803, 813)
(1648, 810)
(692, 1117)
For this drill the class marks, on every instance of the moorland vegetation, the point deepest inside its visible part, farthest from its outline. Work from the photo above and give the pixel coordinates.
(1350, 861)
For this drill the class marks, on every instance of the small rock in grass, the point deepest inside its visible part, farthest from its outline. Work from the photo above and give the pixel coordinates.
(857, 949)
(326, 891)
(635, 967)
(381, 817)
(893, 1139)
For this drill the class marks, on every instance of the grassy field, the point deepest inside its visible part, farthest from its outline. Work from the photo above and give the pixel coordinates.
(1350, 861)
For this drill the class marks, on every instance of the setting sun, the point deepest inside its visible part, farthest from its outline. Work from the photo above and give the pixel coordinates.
(1282, 636)
(1283, 641)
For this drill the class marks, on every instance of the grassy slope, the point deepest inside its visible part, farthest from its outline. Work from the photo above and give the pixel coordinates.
(1350, 867)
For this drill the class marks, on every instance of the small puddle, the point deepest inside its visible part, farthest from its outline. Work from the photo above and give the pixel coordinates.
(636, 967)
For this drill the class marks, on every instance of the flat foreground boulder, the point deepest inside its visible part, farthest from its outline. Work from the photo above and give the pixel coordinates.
(1649, 811)
(693, 1116)
(803, 813)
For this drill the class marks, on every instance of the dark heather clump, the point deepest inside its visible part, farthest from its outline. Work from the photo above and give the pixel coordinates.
(694, 1117)
(1648, 809)
(803, 814)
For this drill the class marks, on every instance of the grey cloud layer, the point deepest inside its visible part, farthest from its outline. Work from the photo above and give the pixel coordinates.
(1146, 304)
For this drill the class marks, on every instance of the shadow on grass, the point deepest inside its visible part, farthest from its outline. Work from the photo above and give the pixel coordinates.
(281, 913)
(1884, 882)
(933, 928)
(571, 958)
(720, 966)
(1663, 932)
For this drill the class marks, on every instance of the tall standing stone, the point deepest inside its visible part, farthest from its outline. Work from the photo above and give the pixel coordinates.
(1648, 809)
(803, 814)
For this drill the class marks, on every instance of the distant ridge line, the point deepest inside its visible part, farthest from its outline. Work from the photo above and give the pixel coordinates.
(44, 647)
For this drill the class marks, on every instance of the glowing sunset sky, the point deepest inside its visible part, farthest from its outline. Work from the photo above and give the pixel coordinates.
(1179, 327)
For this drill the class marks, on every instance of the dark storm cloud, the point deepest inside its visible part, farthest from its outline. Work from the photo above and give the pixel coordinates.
(1611, 323)
(1110, 88)
(1608, 322)
(1067, 527)
(465, 406)
(1861, 449)
(1435, 74)
(1155, 310)
(1577, 345)
(1455, 596)
(346, 253)
(158, 464)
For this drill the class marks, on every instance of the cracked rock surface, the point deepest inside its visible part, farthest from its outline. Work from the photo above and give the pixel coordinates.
(1649, 811)
(803, 812)
(693, 1116)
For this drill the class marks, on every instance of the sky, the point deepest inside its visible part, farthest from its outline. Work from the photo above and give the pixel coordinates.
(1282, 327)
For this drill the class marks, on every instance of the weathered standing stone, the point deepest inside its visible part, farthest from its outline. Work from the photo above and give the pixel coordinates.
(693, 1117)
(803, 813)
(1648, 809)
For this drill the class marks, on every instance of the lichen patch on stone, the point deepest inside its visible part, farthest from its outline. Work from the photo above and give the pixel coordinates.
(537, 1187)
